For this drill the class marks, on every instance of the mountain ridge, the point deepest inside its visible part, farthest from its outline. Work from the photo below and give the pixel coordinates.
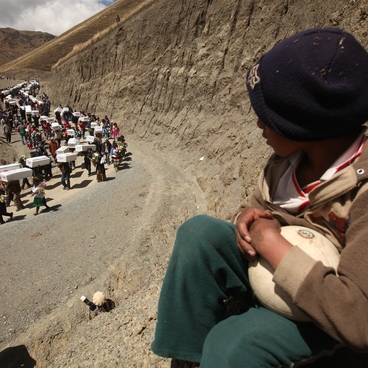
(49, 54)
(16, 43)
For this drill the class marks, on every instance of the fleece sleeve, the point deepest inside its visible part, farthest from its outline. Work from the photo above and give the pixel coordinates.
(338, 304)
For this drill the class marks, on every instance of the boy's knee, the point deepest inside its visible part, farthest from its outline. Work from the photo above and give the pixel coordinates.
(195, 225)
(205, 227)
(204, 232)
(201, 236)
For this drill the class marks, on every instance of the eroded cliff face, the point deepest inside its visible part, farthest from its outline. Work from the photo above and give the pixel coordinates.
(174, 75)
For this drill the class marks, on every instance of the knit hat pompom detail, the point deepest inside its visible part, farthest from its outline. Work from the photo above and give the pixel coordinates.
(312, 86)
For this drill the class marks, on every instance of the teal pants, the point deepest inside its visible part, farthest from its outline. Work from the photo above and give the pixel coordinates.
(204, 270)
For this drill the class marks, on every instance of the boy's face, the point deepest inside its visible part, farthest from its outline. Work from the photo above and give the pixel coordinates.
(282, 146)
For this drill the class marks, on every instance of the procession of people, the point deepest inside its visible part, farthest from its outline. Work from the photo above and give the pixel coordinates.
(52, 134)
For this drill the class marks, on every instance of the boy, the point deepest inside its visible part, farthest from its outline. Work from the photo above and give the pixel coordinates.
(310, 93)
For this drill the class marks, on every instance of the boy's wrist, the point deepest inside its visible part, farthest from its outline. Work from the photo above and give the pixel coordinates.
(270, 244)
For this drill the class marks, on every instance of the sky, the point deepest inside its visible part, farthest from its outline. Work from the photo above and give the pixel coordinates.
(51, 16)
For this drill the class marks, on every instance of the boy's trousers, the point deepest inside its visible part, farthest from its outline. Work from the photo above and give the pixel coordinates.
(205, 269)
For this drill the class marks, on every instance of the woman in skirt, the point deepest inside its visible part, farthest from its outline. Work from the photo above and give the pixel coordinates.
(38, 191)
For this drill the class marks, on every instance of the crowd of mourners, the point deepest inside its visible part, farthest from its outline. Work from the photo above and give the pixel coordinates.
(25, 111)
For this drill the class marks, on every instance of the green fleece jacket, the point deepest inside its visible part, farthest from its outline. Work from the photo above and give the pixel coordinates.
(338, 304)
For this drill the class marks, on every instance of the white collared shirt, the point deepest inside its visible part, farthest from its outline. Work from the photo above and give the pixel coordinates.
(294, 199)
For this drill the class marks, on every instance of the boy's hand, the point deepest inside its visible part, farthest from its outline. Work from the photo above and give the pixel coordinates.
(243, 224)
(268, 241)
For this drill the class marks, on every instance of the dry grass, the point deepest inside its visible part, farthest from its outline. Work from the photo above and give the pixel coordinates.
(77, 38)
(82, 46)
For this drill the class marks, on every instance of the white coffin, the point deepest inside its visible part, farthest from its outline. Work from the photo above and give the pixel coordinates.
(9, 167)
(98, 129)
(84, 118)
(28, 109)
(84, 147)
(76, 113)
(18, 174)
(90, 138)
(70, 132)
(38, 161)
(93, 125)
(72, 142)
(35, 112)
(66, 157)
(55, 126)
(44, 117)
(63, 149)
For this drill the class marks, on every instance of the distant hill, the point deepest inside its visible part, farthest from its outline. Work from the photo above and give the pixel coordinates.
(73, 40)
(14, 43)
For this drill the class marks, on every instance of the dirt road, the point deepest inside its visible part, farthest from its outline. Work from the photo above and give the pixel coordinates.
(93, 232)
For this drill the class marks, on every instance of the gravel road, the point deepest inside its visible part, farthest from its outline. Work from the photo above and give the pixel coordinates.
(112, 236)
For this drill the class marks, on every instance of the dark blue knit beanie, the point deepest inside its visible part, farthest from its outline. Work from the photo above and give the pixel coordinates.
(312, 86)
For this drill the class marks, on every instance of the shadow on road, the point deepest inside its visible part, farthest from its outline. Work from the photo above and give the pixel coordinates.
(51, 208)
(82, 184)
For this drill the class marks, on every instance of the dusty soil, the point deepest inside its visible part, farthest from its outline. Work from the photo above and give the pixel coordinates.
(114, 237)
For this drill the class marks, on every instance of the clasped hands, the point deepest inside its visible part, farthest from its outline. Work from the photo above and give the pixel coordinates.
(258, 234)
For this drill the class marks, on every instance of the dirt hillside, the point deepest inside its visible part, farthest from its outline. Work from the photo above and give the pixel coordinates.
(172, 77)
(174, 74)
